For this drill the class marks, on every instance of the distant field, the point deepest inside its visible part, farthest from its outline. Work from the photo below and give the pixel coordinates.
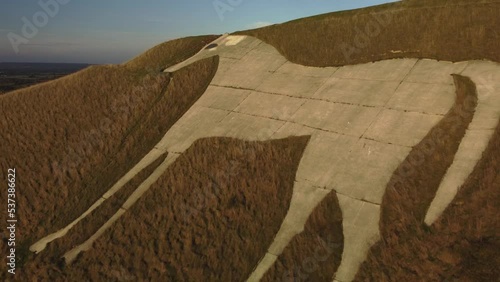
(434, 29)
(15, 76)
(90, 224)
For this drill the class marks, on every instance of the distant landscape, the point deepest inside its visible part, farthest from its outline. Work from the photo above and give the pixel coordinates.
(14, 76)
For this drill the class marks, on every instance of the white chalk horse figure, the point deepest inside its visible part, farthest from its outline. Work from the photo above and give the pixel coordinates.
(363, 119)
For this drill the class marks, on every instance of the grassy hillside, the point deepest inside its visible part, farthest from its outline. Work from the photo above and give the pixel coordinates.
(316, 253)
(201, 221)
(49, 262)
(72, 138)
(212, 215)
(170, 53)
(90, 224)
(434, 29)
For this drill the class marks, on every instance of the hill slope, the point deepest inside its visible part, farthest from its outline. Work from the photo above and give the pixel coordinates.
(434, 29)
(79, 134)
(367, 122)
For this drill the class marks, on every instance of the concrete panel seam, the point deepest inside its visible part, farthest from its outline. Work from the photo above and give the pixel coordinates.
(356, 199)
(390, 98)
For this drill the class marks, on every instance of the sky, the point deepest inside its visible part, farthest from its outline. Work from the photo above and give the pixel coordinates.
(114, 31)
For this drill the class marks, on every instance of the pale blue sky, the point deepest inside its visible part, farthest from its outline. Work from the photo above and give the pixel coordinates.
(113, 31)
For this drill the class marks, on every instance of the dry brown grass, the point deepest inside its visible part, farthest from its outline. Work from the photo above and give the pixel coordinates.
(472, 222)
(170, 53)
(88, 226)
(314, 254)
(47, 265)
(463, 243)
(210, 217)
(414, 184)
(434, 29)
(203, 220)
(58, 134)
(78, 135)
